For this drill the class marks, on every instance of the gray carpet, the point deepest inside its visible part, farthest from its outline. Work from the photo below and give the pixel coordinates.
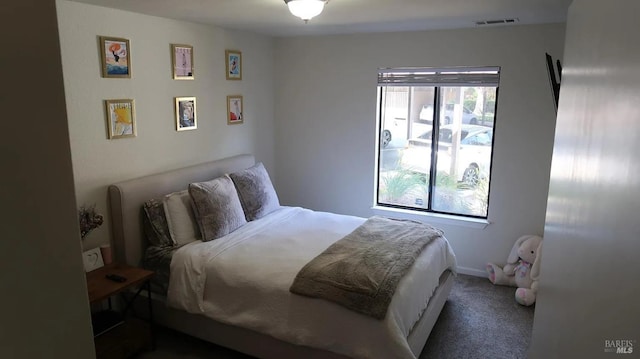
(479, 320)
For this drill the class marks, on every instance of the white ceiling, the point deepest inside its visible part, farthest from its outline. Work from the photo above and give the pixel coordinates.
(272, 17)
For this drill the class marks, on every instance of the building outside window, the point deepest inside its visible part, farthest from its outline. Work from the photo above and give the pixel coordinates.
(436, 139)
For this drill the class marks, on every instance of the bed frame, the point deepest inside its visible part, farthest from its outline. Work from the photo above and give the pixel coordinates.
(126, 200)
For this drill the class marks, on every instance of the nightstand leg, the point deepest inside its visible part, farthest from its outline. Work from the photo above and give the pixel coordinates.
(151, 325)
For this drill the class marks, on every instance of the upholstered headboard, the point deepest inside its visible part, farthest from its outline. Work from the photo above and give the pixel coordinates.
(126, 200)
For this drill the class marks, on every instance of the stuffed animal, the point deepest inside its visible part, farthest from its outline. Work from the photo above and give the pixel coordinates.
(522, 269)
(527, 296)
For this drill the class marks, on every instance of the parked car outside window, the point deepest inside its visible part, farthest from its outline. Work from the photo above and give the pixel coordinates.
(394, 127)
(473, 156)
(386, 138)
(446, 116)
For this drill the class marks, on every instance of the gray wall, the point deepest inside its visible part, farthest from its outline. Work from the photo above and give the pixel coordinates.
(45, 309)
(319, 146)
(590, 277)
(326, 123)
(97, 161)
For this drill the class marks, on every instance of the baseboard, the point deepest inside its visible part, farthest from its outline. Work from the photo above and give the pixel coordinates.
(472, 271)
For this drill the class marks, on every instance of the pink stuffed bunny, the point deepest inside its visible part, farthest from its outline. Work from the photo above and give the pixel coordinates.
(522, 269)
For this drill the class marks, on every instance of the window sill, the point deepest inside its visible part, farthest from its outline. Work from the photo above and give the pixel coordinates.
(448, 219)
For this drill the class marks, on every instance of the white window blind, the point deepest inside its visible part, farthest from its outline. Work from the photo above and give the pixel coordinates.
(478, 77)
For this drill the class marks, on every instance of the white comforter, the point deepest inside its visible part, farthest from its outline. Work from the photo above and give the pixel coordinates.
(243, 279)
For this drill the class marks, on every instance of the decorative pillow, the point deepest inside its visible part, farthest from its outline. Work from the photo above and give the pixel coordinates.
(158, 259)
(180, 217)
(256, 192)
(155, 225)
(217, 207)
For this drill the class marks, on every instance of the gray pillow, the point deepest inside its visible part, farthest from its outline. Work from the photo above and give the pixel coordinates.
(217, 207)
(155, 224)
(257, 195)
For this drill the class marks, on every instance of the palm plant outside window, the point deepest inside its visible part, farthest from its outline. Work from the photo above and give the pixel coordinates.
(436, 139)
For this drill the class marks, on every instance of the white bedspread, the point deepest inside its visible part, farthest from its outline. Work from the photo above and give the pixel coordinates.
(243, 279)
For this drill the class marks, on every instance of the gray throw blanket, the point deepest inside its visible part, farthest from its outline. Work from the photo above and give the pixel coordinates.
(362, 270)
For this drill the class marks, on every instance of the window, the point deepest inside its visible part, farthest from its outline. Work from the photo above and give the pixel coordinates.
(436, 139)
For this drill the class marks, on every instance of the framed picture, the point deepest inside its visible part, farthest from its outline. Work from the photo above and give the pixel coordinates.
(234, 64)
(121, 118)
(182, 61)
(115, 57)
(186, 113)
(92, 259)
(234, 109)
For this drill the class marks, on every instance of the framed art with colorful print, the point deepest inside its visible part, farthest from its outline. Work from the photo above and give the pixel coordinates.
(115, 57)
(186, 113)
(234, 110)
(182, 62)
(121, 118)
(234, 64)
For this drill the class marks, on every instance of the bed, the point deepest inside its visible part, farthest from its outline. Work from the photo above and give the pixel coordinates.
(245, 304)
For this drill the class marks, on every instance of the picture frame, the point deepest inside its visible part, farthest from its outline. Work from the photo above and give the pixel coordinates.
(233, 59)
(182, 62)
(234, 110)
(121, 118)
(115, 57)
(186, 113)
(92, 259)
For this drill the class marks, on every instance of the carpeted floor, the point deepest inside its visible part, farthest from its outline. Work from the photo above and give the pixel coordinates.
(479, 320)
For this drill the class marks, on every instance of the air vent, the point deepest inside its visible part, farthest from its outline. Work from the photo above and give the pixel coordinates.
(497, 22)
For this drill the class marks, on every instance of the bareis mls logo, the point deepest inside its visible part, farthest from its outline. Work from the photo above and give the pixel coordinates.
(619, 346)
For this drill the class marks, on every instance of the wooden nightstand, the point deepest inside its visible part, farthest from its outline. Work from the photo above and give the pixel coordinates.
(116, 335)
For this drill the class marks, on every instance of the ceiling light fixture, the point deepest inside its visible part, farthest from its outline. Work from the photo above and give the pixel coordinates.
(306, 9)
